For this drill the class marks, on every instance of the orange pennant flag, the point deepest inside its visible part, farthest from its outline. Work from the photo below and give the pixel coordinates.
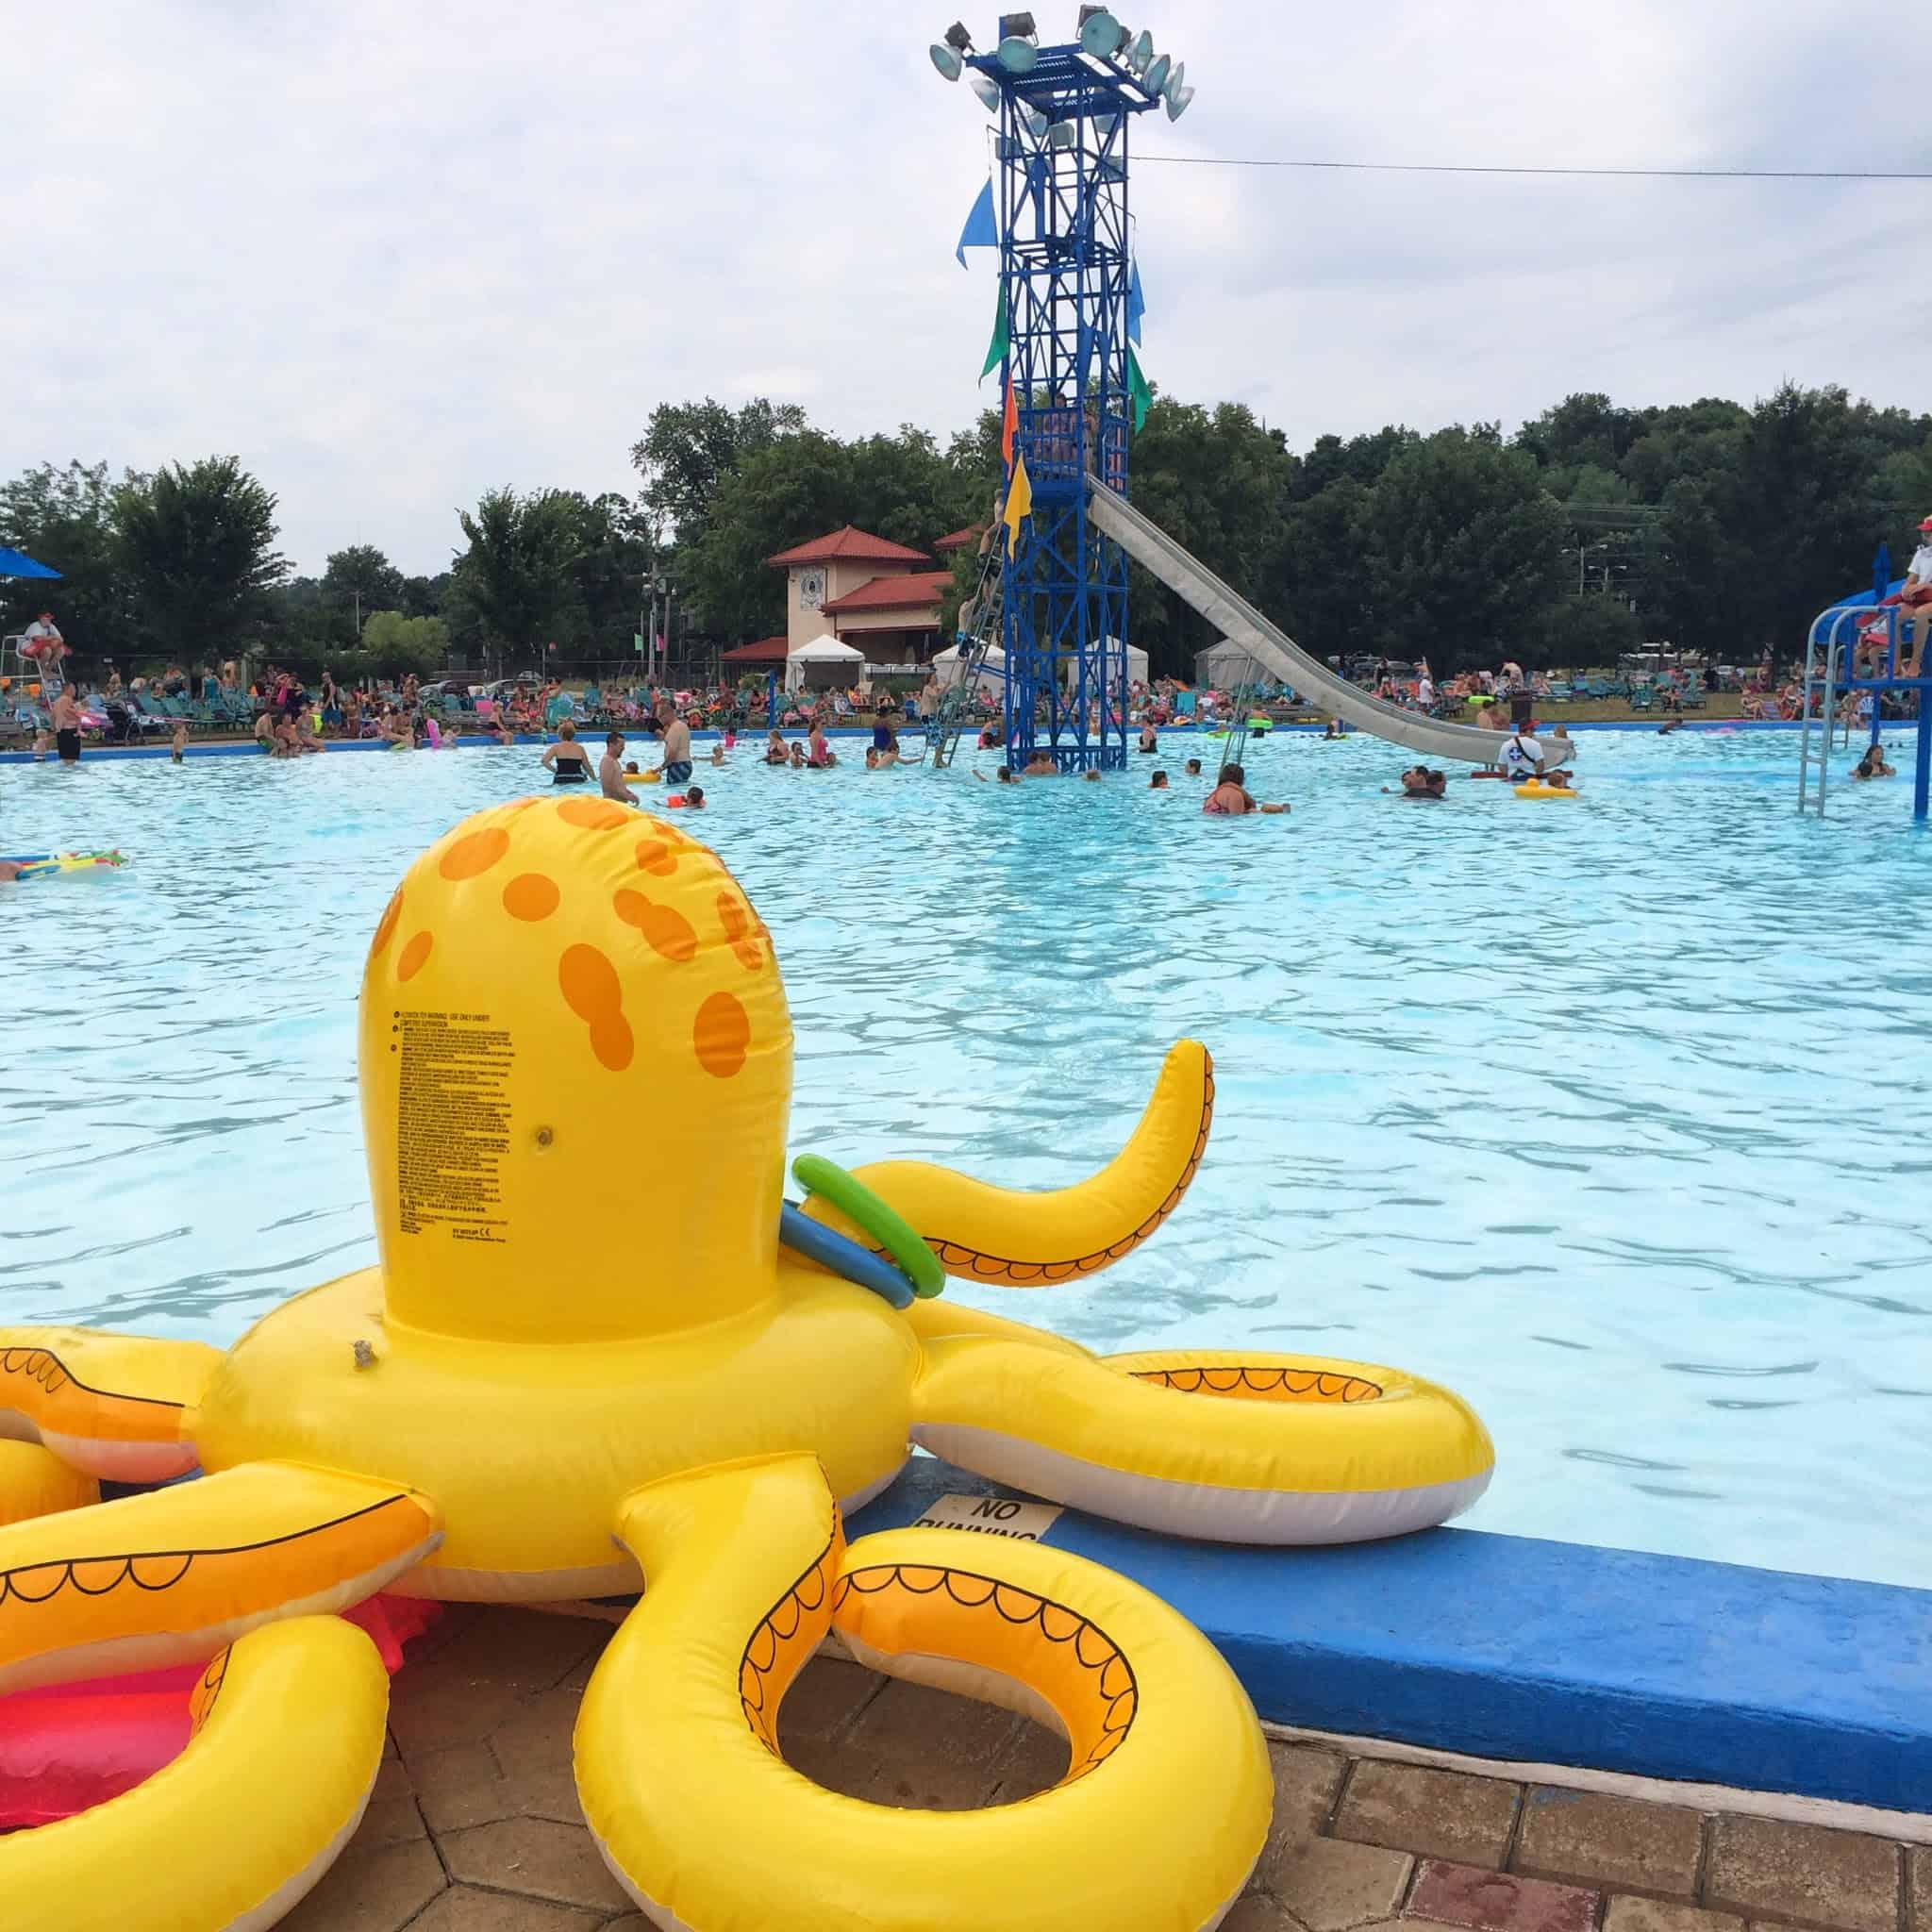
(1009, 428)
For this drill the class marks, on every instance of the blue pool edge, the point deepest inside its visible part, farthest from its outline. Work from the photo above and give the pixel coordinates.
(1528, 1651)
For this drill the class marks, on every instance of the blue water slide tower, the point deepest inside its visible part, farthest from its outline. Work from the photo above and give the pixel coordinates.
(1066, 271)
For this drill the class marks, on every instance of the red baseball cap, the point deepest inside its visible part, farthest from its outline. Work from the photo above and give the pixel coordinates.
(1926, 524)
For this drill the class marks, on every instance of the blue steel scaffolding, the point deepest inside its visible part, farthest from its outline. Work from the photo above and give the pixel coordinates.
(1066, 264)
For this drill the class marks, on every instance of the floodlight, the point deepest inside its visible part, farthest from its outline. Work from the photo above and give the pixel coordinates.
(1036, 122)
(1101, 34)
(1062, 134)
(1102, 125)
(1156, 77)
(988, 91)
(1177, 78)
(946, 61)
(958, 39)
(1018, 55)
(1018, 26)
(1178, 101)
(1141, 53)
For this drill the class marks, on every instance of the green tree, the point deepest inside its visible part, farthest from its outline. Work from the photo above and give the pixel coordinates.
(1465, 547)
(395, 645)
(614, 553)
(1583, 633)
(688, 449)
(1218, 483)
(360, 579)
(198, 546)
(514, 585)
(64, 518)
(797, 489)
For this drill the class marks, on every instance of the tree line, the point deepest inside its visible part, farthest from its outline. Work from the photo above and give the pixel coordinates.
(1710, 525)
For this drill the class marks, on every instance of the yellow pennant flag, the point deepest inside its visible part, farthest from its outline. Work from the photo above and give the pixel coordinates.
(1019, 501)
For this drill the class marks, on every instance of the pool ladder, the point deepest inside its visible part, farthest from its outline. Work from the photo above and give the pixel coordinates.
(960, 701)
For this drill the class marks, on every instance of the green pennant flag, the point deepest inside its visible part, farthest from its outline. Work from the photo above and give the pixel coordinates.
(1138, 391)
(1002, 338)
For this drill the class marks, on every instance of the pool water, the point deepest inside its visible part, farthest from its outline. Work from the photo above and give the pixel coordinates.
(1613, 1114)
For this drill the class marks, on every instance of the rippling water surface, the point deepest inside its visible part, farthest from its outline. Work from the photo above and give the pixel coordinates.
(1616, 1115)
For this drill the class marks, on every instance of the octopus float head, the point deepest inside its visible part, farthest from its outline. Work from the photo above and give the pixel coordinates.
(572, 1029)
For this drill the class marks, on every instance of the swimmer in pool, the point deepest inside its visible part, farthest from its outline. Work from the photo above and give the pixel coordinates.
(775, 753)
(695, 798)
(718, 753)
(1041, 765)
(1873, 764)
(1091, 778)
(1230, 797)
(611, 771)
(567, 761)
(1158, 782)
(1150, 738)
(1194, 767)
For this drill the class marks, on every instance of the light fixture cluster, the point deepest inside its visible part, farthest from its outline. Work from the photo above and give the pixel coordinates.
(1102, 37)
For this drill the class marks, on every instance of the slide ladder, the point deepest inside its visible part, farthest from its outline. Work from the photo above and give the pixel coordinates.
(958, 702)
(1238, 621)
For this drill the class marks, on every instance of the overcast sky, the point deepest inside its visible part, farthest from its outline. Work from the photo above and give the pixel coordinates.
(393, 255)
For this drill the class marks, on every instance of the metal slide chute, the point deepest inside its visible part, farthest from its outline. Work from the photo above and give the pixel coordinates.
(1238, 621)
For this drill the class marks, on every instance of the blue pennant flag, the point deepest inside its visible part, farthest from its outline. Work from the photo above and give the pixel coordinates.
(1137, 304)
(979, 231)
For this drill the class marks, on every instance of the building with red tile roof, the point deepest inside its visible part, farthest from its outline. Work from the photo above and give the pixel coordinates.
(864, 590)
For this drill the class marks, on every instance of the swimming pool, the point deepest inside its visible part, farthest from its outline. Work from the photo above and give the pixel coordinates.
(1610, 1114)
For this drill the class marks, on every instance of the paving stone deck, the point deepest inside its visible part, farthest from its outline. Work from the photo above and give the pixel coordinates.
(475, 1825)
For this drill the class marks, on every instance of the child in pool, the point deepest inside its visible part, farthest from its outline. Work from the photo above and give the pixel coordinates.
(1158, 782)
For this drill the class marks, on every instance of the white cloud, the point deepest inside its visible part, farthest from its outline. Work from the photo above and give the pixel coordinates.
(394, 256)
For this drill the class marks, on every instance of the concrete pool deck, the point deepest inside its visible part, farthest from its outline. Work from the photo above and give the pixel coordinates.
(475, 1825)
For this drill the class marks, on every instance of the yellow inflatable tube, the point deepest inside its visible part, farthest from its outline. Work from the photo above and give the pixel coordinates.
(288, 1739)
(169, 1577)
(35, 1482)
(1234, 1445)
(111, 1404)
(1021, 1240)
(1154, 1827)
(1533, 789)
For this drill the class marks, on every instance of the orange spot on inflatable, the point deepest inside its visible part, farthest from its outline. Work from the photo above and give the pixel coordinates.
(414, 956)
(667, 931)
(721, 1035)
(475, 854)
(594, 814)
(531, 896)
(593, 992)
(387, 925)
(655, 856)
(735, 917)
(611, 1041)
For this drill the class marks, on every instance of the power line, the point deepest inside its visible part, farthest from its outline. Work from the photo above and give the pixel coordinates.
(1579, 174)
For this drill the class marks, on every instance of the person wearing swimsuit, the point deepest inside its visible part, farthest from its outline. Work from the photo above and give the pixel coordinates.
(567, 760)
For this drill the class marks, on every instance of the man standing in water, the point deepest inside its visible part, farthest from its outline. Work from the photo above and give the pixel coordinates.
(66, 715)
(677, 733)
(610, 770)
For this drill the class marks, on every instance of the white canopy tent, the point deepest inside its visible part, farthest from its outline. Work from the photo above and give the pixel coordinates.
(1137, 665)
(1224, 666)
(823, 657)
(946, 668)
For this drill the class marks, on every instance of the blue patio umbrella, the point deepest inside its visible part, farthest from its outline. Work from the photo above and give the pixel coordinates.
(17, 563)
(1881, 575)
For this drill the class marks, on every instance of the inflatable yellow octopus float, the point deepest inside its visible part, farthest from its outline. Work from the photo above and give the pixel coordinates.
(501, 1412)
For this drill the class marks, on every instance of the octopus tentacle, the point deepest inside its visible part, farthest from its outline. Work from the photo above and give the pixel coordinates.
(167, 1577)
(1022, 1239)
(115, 1406)
(35, 1482)
(678, 1741)
(1232, 1446)
(297, 1710)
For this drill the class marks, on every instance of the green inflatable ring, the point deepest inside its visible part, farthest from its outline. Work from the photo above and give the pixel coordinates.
(838, 1189)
